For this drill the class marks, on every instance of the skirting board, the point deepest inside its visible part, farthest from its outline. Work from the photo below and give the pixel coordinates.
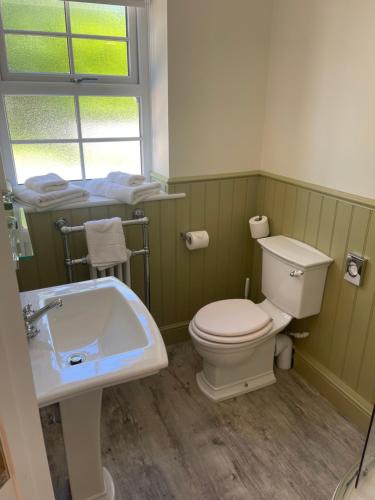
(350, 404)
(174, 333)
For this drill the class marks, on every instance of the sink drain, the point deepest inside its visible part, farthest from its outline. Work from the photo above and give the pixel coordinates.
(76, 359)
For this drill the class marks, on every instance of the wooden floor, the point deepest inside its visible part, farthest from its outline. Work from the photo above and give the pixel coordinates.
(162, 439)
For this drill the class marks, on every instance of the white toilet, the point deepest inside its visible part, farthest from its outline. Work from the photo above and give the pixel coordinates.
(236, 338)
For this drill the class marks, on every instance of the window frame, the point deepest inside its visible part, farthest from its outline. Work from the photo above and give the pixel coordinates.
(104, 86)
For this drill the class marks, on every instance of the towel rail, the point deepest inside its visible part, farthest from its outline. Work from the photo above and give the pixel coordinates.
(65, 230)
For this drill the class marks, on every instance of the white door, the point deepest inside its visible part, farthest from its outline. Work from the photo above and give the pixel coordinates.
(20, 428)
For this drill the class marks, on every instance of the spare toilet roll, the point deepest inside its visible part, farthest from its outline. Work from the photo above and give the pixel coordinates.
(259, 227)
(197, 239)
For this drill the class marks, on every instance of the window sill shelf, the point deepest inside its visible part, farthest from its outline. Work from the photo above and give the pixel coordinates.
(97, 201)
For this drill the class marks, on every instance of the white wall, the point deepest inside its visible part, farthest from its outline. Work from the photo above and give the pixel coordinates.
(217, 65)
(320, 114)
(158, 36)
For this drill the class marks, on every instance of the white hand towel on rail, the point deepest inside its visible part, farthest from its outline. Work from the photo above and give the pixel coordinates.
(46, 183)
(127, 194)
(51, 199)
(105, 242)
(126, 179)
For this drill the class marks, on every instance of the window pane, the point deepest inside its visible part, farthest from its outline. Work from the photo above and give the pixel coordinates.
(109, 117)
(33, 15)
(95, 19)
(39, 159)
(104, 157)
(37, 54)
(100, 57)
(41, 117)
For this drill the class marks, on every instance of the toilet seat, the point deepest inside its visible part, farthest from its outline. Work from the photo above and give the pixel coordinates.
(231, 321)
(222, 339)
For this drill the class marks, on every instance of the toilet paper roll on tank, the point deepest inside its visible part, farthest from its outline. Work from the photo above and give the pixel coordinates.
(196, 239)
(259, 227)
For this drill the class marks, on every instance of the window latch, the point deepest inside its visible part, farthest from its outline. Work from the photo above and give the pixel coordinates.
(84, 79)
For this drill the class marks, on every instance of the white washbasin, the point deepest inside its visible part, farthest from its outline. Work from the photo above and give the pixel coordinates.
(105, 325)
(103, 321)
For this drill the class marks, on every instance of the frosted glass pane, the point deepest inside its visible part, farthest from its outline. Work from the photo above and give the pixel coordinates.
(33, 15)
(100, 57)
(41, 117)
(37, 54)
(39, 159)
(95, 19)
(109, 117)
(104, 157)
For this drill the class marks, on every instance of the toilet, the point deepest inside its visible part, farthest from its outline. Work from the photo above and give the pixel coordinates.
(237, 338)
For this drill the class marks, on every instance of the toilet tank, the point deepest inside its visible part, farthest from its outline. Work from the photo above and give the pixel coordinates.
(293, 275)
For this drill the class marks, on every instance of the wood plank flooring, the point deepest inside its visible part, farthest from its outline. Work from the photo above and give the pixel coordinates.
(162, 439)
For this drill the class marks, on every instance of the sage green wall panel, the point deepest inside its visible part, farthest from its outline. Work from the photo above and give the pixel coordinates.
(289, 209)
(365, 386)
(212, 204)
(153, 212)
(168, 240)
(302, 205)
(278, 208)
(342, 336)
(359, 327)
(239, 233)
(182, 255)
(326, 225)
(313, 219)
(197, 222)
(348, 292)
(224, 243)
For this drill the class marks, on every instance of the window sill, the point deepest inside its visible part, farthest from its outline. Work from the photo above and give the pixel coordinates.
(97, 201)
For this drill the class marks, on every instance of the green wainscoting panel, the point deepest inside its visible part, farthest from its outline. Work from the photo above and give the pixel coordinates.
(182, 281)
(341, 345)
(342, 336)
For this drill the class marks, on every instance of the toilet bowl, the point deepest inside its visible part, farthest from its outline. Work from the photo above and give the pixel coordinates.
(236, 338)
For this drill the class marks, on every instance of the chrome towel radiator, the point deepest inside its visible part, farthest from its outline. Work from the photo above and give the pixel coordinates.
(139, 220)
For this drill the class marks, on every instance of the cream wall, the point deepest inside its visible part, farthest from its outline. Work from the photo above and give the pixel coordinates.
(320, 113)
(217, 65)
(158, 48)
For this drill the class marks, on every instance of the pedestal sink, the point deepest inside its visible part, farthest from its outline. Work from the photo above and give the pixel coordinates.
(102, 335)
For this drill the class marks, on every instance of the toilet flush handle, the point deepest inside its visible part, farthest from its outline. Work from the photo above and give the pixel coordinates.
(296, 273)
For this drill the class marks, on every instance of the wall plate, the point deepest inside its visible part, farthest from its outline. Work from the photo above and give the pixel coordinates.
(355, 268)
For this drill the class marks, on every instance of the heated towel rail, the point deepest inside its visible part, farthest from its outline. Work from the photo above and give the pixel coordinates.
(140, 220)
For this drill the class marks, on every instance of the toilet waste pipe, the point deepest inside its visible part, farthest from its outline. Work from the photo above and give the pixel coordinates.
(283, 351)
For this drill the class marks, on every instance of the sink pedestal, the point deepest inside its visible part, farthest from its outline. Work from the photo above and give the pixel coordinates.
(80, 417)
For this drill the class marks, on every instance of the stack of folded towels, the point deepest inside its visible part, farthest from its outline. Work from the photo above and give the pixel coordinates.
(127, 188)
(48, 191)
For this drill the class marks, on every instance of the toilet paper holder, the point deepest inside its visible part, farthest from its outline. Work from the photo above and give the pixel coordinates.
(185, 237)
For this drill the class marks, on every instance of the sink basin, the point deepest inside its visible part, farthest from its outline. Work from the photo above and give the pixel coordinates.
(105, 323)
(101, 336)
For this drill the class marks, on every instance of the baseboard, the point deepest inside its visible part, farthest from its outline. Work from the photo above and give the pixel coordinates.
(177, 332)
(349, 403)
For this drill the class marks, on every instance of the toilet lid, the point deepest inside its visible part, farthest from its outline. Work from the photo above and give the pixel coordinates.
(231, 318)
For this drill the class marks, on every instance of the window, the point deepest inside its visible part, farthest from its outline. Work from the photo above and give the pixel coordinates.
(74, 89)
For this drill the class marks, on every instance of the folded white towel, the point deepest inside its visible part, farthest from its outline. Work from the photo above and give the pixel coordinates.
(51, 199)
(126, 179)
(126, 194)
(106, 243)
(46, 183)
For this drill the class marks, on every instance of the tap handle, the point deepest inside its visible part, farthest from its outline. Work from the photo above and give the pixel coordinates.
(28, 310)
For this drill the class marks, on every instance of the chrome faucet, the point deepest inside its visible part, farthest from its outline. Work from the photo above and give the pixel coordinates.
(30, 316)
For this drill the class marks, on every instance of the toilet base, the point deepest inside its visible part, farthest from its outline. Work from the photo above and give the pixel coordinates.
(235, 389)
